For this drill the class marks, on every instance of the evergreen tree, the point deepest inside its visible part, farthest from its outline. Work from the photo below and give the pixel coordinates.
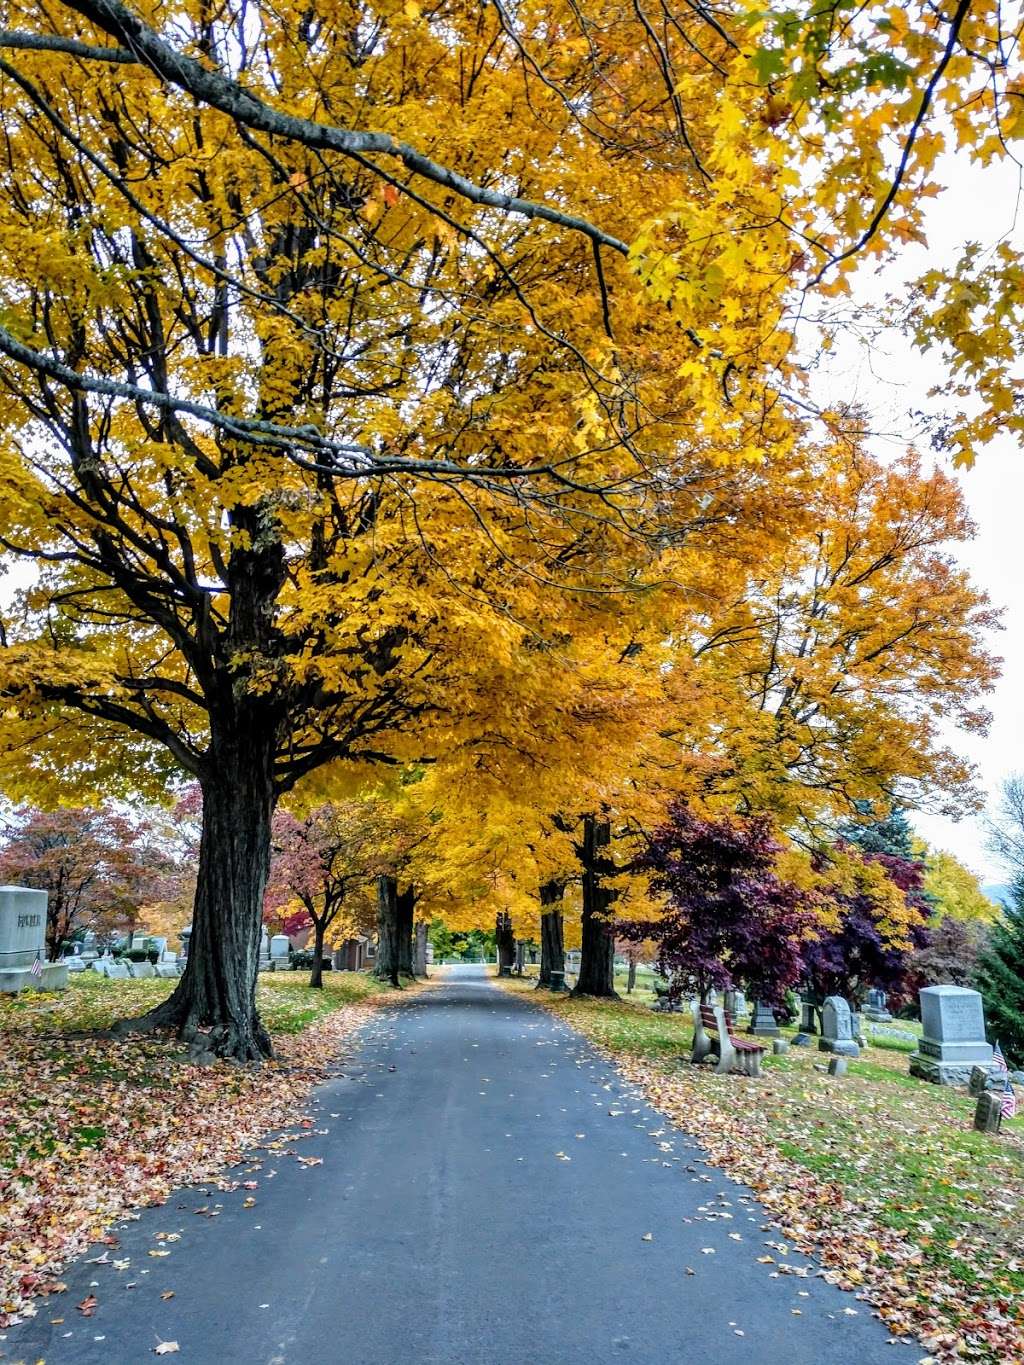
(891, 835)
(1001, 976)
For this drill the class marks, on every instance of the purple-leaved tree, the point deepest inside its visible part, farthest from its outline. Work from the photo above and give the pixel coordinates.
(729, 918)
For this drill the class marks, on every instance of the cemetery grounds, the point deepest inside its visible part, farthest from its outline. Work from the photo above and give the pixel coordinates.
(877, 1174)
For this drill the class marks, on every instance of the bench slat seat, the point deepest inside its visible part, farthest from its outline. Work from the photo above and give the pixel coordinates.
(733, 1053)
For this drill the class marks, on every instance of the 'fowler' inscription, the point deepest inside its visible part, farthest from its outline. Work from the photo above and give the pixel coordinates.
(29, 921)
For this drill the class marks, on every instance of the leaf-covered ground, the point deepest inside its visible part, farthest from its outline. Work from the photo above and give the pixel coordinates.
(94, 1128)
(879, 1175)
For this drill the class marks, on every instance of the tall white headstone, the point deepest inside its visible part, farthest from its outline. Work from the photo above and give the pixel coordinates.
(953, 1036)
(23, 942)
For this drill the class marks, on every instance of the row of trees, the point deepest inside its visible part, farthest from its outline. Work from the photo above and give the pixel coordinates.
(722, 903)
(468, 466)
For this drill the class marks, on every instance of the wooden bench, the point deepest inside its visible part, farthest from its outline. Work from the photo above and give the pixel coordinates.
(733, 1053)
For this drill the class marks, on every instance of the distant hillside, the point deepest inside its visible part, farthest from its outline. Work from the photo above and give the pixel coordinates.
(997, 892)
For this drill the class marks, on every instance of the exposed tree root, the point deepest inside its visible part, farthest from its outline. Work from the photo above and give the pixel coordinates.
(225, 1039)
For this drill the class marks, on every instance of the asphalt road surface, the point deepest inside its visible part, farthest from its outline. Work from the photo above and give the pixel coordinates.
(477, 1204)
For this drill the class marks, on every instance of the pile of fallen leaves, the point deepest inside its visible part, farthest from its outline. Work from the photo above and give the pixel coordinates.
(94, 1128)
(879, 1176)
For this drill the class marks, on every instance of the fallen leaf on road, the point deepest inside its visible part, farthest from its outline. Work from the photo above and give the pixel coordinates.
(167, 1294)
(647, 1237)
(166, 1348)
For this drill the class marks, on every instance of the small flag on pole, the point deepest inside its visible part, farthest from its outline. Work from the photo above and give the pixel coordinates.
(998, 1058)
(1008, 1101)
(37, 968)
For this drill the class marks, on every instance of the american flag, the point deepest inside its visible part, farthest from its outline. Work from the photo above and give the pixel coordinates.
(998, 1058)
(1008, 1101)
(37, 968)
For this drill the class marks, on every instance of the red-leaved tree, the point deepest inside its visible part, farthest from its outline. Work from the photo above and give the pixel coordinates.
(729, 918)
(97, 866)
(317, 863)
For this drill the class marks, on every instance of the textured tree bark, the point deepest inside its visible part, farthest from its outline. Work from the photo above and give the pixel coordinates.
(316, 974)
(213, 1006)
(421, 949)
(631, 978)
(552, 942)
(406, 909)
(387, 964)
(506, 942)
(597, 947)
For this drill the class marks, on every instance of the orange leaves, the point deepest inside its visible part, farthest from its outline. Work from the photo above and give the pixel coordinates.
(163, 1124)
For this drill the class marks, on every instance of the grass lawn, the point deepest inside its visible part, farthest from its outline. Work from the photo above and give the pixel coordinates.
(286, 1003)
(878, 1173)
(94, 1128)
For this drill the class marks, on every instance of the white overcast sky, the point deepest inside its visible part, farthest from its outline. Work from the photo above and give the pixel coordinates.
(892, 378)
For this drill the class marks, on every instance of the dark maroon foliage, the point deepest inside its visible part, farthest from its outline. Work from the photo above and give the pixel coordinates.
(854, 957)
(949, 956)
(730, 919)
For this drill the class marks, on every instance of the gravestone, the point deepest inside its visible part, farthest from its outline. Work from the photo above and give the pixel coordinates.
(264, 962)
(837, 1066)
(874, 1007)
(736, 1004)
(802, 1040)
(23, 942)
(141, 971)
(988, 1114)
(808, 1017)
(117, 970)
(279, 948)
(167, 969)
(953, 1036)
(982, 1079)
(780, 1047)
(837, 1028)
(762, 1021)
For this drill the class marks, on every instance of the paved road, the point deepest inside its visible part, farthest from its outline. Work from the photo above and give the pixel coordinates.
(445, 1227)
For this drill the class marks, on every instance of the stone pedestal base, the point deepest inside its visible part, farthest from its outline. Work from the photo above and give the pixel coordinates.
(14, 979)
(946, 1073)
(842, 1047)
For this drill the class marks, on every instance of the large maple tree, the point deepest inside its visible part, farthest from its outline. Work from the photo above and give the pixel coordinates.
(354, 358)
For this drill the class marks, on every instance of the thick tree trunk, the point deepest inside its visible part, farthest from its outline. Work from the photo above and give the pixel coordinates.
(597, 948)
(213, 1006)
(316, 975)
(421, 949)
(506, 942)
(552, 943)
(406, 908)
(388, 949)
